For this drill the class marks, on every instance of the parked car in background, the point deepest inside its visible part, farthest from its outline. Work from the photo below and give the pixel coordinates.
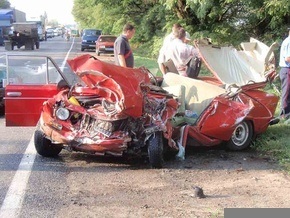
(89, 38)
(105, 44)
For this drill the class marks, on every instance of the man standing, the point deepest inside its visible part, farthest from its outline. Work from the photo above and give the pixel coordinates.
(122, 50)
(181, 53)
(284, 74)
(162, 58)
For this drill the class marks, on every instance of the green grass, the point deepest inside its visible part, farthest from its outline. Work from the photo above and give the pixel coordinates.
(273, 143)
(150, 64)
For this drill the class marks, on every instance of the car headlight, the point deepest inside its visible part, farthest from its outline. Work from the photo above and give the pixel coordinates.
(62, 113)
(84, 40)
(102, 46)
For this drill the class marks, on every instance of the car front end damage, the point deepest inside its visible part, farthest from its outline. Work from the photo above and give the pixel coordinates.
(109, 117)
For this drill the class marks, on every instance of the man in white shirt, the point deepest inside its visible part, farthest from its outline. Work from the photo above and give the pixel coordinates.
(284, 74)
(162, 58)
(181, 53)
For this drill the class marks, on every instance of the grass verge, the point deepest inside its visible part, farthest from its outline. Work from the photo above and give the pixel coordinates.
(275, 143)
(150, 64)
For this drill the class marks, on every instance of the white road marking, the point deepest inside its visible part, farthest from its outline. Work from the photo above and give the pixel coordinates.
(66, 57)
(13, 200)
(12, 203)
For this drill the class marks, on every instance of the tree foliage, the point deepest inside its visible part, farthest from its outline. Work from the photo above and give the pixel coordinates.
(4, 4)
(224, 21)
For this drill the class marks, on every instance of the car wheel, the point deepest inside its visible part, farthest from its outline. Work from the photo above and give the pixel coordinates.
(82, 49)
(155, 150)
(241, 137)
(44, 147)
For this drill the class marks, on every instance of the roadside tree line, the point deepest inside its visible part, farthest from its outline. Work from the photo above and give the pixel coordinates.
(224, 21)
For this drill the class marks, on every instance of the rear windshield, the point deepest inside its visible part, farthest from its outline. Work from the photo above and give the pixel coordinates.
(92, 32)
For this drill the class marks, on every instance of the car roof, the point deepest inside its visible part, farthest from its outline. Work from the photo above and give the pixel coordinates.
(108, 36)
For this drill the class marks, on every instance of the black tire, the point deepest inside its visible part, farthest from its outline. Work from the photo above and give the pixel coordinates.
(44, 147)
(241, 137)
(155, 150)
(82, 49)
(32, 44)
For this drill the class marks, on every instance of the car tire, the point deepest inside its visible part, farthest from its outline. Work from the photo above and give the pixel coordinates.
(241, 137)
(44, 147)
(155, 150)
(82, 49)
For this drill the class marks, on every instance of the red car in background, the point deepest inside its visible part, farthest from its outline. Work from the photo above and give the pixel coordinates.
(105, 44)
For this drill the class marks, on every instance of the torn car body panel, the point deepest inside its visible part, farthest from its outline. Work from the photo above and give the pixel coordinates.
(114, 112)
(99, 75)
(221, 117)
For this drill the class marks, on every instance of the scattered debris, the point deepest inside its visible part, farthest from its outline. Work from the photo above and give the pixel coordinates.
(240, 170)
(198, 192)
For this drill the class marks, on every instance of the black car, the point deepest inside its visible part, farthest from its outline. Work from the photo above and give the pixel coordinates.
(89, 38)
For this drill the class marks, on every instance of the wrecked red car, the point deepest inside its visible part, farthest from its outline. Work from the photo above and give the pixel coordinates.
(238, 76)
(105, 109)
(117, 111)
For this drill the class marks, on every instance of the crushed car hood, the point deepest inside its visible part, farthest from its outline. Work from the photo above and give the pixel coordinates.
(119, 85)
(253, 63)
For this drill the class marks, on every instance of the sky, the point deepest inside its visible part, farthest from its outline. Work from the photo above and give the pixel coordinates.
(59, 10)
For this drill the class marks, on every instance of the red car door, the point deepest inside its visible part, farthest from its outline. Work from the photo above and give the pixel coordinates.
(30, 81)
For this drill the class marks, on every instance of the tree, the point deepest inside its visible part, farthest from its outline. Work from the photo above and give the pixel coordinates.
(4, 4)
(224, 21)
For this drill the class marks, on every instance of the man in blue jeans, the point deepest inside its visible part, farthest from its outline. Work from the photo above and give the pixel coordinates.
(284, 74)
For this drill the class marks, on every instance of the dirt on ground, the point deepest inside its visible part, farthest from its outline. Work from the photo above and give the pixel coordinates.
(203, 185)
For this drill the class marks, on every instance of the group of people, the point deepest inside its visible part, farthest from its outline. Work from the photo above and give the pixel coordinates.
(177, 52)
(174, 55)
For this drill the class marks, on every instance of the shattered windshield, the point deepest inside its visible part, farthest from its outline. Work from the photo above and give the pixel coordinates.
(25, 70)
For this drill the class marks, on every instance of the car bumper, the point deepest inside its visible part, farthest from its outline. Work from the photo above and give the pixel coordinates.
(106, 50)
(89, 45)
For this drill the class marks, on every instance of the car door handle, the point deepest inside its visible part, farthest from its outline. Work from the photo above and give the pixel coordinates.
(14, 94)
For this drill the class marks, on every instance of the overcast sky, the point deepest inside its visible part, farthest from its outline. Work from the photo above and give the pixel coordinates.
(59, 10)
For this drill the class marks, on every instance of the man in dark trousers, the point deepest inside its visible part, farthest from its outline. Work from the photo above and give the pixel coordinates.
(122, 50)
(284, 74)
